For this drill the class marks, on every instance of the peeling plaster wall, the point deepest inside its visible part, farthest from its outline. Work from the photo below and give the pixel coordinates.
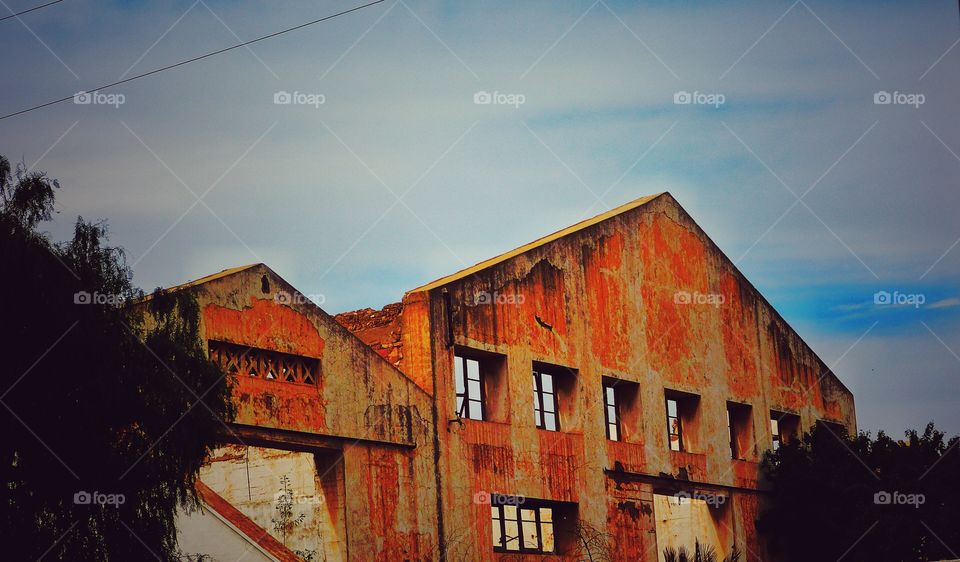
(603, 300)
(250, 479)
(364, 410)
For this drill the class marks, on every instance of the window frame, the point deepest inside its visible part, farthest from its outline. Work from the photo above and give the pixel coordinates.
(740, 430)
(466, 407)
(540, 418)
(732, 436)
(610, 393)
(788, 427)
(775, 433)
(498, 516)
(679, 424)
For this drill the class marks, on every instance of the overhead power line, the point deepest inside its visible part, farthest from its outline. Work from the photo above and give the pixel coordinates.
(194, 59)
(30, 10)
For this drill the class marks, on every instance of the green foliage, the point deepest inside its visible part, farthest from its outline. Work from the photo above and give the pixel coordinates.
(103, 396)
(285, 521)
(828, 497)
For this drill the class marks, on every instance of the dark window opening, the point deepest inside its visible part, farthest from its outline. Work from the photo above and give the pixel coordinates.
(545, 401)
(674, 425)
(837, 429)
(480, 385)
(682, 420)
(740, 430)
(469, 386)
(783, 427)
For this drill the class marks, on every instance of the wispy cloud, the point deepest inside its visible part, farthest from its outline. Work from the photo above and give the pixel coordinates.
(399, 88)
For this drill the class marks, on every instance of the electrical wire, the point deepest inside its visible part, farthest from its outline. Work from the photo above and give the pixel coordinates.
(194, 59)
(30, 10)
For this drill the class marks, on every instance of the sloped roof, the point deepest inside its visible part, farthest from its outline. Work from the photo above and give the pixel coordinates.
(213, 277)
(244, 525)
(537, 243)
(206, 279)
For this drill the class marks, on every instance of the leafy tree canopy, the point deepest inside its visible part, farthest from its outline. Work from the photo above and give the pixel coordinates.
(108, 402)
(864, 499)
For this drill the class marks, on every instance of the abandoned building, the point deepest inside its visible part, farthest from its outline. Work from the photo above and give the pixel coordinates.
(614, 382)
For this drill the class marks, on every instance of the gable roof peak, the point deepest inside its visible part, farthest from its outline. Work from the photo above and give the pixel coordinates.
(576, 227)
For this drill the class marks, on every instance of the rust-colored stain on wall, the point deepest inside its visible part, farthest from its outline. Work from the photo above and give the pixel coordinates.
(639, 298)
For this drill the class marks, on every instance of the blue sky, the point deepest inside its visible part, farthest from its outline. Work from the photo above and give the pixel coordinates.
(399, 177)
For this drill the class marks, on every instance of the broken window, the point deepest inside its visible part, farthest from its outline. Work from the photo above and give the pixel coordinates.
(621, 409)
(674, 425)
(739, 428)
(555, 397)
(480, 383)
(521, 525)
(681, 419)
(783, 427)
(545, 401)
(469, 385)
(262, 363)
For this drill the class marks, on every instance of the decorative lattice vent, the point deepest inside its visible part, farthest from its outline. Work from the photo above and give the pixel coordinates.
(244, 361)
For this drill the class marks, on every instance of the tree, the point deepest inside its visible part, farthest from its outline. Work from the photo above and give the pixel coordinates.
(700, 553)
(285, 521)
(593, 545)
(108, 408)
(864, 499)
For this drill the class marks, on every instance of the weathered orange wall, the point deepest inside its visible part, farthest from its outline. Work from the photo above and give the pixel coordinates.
(602, 300)
(378, 419)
